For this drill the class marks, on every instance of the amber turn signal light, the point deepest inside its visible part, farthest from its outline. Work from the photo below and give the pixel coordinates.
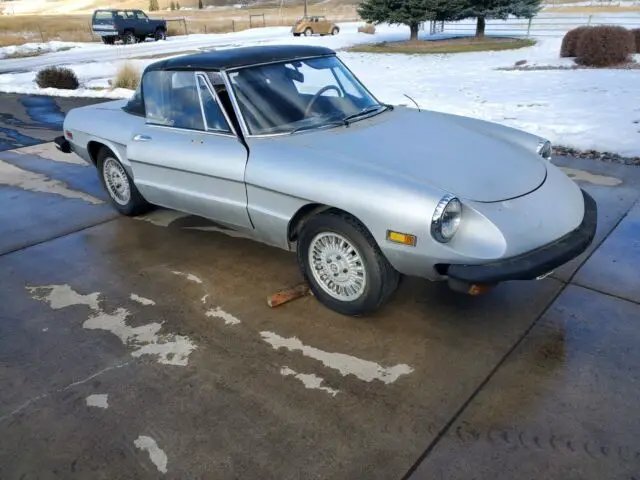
(399, 237)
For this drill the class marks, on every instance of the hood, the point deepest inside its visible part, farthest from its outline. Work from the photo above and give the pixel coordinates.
(472, 159)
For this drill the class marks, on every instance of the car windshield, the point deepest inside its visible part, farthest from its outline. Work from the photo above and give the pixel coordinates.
(303, 94)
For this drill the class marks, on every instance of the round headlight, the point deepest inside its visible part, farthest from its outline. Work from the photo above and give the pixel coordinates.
(544, 149)
(446, 218)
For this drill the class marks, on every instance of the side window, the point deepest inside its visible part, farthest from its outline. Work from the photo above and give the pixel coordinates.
(171, 99)
(212, 111)
(140, 15)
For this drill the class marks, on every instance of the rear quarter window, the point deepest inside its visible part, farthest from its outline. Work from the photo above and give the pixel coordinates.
(104, 15)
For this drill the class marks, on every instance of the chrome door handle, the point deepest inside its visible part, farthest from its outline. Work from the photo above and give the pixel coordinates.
(141, 138)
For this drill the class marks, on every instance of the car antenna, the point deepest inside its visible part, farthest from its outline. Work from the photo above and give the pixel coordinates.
(416, 103)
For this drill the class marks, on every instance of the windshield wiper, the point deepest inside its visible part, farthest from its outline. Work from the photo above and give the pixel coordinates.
(362, 112)
(334, 123)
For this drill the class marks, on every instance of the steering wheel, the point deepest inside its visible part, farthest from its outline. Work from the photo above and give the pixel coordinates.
(317, 95)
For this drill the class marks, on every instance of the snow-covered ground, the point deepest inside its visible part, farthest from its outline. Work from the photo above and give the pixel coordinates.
(584, 109)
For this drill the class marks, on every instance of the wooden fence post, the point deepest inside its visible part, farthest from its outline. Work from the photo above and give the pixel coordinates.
(41, 34)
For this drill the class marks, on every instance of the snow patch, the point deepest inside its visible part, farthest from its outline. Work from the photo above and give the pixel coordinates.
(345, 364)
(141, 300)
(63, 296)
(36, 182)
(100, 400)
(309, 380)
(156, 454)
(189, 276)
(170, 349)
(219, 313)
(144, 339)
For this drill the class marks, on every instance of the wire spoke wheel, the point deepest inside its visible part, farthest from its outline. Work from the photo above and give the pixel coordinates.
(337, 266)
(116, 181)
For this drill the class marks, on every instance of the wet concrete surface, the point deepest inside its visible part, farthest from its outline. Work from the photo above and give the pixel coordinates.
(203, 380)
(563, 405)
(30, 119)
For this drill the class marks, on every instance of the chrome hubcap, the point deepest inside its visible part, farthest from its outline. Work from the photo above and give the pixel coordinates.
(116, 181)
(337, 266)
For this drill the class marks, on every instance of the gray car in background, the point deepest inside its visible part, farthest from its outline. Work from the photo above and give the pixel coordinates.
(286, 144)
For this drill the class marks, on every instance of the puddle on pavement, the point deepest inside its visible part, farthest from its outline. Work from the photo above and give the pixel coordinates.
(595, 179)
(43, 110)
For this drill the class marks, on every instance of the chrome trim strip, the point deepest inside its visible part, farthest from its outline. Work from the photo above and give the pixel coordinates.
(278, 61)
(234, 102)
(436, 219)
(208, 132)
(190, 172)
(213, 92)
(204, 117)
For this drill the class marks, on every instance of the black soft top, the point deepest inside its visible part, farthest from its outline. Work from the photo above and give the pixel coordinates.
(240, 57)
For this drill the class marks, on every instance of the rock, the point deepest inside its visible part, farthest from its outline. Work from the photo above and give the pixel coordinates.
(520, 62)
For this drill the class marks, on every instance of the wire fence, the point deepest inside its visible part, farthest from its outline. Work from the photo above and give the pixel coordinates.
(542, 25)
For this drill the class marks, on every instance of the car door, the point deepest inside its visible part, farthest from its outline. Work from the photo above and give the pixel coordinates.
(143, 24)
(187, 155)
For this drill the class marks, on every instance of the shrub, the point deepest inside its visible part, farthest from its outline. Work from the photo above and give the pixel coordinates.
(636, 35)
(368, 28)
(603, 46)
(128, 76)
(57, 77)
(570, 41)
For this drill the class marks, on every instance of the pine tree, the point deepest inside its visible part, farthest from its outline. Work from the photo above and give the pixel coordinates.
(153, 6)
(499, 9)
(200, 6)
(410, 12)
(177, 5)
(172, 5)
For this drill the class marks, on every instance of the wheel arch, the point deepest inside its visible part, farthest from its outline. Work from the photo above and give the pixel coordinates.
(310, 210)
(95, 145)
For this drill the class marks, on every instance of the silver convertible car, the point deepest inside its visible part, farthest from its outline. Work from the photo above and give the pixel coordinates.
(285, 143)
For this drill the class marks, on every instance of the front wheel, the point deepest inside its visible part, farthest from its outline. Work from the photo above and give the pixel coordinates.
(308, 32)
(123, 193)
(343, 265)
(160, 35)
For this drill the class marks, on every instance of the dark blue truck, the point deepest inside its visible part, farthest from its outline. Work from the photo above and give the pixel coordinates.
(129, 26)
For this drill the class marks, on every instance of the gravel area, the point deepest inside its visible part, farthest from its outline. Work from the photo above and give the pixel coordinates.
(592, 154)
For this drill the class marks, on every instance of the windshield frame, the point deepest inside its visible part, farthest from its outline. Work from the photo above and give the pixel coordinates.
(331, 124)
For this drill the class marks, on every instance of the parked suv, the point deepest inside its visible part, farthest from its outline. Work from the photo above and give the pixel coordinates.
(314, 24)
(130, 26)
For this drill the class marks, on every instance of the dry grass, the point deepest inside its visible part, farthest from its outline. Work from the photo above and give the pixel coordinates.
(19, 29)
(128, 76)
(368, 28)
(455, 45)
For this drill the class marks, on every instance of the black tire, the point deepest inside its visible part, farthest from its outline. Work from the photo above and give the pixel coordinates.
(128, 38)
(136, 204)
(381, 278)
(308, 32)
(296, 34)
(160, 35)
(108, 40)
(335, 31)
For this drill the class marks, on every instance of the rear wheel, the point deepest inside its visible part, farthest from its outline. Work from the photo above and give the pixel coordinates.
(128, 38)
(308, 32)
(108, 40)
(123, 193)
(335, 31)
(343, 265)
(160, 35)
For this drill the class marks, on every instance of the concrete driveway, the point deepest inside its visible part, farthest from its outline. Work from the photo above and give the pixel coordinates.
(144, 348)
